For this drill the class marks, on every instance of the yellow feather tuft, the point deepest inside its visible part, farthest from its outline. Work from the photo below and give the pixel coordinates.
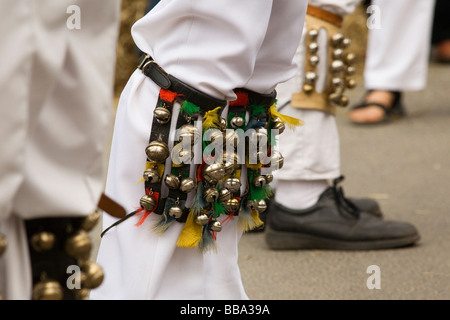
(255, 216)
(191, 234)
(248, 222)
(254, 166)
(211, 119)
(290, 121)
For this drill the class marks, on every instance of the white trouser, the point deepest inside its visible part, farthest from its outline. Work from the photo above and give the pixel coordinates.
(214, 47)
(55, 113)
(311, 152)
(398, 51)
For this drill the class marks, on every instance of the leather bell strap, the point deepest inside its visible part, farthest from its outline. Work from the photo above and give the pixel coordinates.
(257, 106)
(325, 15)
(160, 131)
(111, 207)
(54, 245)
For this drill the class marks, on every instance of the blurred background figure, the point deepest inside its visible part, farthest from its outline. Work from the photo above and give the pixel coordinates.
(397, 59)
(441, 31)
(56, 90)
(309, 212)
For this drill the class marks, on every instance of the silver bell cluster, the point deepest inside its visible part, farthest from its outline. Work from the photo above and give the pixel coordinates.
(310, 77)
(341, 69)
(78, 246)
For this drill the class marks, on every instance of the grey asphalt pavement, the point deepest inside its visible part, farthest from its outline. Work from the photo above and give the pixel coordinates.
(405, 165)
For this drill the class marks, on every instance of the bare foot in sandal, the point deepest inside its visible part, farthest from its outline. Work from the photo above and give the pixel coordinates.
(378, 106)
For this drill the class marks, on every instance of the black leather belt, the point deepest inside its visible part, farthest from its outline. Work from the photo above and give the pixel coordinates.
(166, 81)
(160, 131)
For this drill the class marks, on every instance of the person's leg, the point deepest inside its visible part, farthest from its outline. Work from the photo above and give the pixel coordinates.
(56, 97)
(212, 48)
(396, 60)
(441, 31)
(307, 212)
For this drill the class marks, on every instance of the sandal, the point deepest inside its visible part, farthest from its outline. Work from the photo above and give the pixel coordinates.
(392, 112)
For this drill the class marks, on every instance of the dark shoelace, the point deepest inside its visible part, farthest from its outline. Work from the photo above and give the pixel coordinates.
(343, 204)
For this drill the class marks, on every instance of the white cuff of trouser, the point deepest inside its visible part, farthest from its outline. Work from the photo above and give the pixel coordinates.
(312, 151)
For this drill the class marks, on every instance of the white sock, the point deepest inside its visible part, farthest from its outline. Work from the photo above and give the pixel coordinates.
(299, 194)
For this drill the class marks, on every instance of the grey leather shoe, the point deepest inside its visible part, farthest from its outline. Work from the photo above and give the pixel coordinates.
(363, 204)
(334, 222)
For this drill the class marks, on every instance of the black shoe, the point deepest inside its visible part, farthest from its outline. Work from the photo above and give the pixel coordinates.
(363, 204)
(335, 223)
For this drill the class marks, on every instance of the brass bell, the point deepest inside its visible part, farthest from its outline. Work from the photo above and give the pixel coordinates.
(3, 244)
(346, 42)
(313, 47)
(190, 132)
(269, 178)
(350, 58)
(308, 88)
(92, 275)
(313, 60)
(228, 167)
(310, 77)
(162, 115)
(223, 124)
(237, 122)
(312, 34)
(43, 241)
(175, 212)
(215, 226)
(276, 159)
(351, 83)
(351, 70)
(187, 185)
(338, 54)
(185, 156)
(261, 135)
(147, 202)
(336, 39)
(334, 97)
(343, 101)
(279, 125)
(232, 205)
(81, 294)
(211, 195)
(336, 82)
(259, 181)
(251, 204)
(157, 151)
(232, 184)
(214, 172)
(79, 245)
(261, 206)
(172, 181)
(337, 66)
(224, 195)
(151, 175)
(202, 219)
(91, 221)
(47, 290)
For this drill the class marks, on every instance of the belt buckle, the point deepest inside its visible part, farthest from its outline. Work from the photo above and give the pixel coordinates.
(144, 60)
